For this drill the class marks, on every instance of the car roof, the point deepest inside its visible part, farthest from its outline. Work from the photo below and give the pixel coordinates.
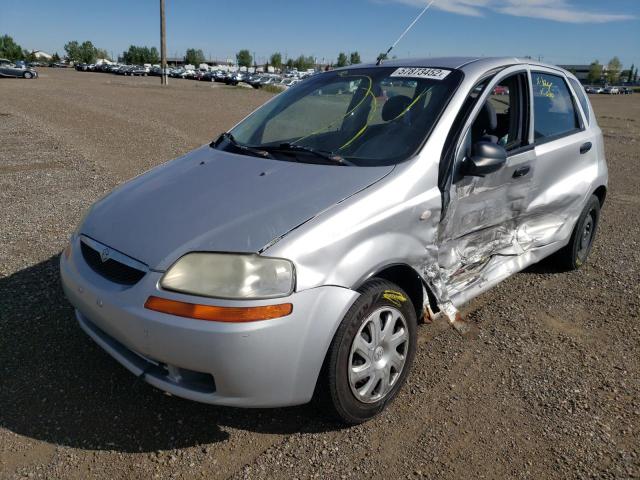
(467, 64)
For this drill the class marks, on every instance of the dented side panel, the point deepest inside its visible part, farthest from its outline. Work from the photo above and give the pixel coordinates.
(482, 225)
(483, 220)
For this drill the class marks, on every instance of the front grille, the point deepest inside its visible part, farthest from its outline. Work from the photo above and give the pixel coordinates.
(110, 269)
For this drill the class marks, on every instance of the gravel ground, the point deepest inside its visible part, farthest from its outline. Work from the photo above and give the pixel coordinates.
(548, 387)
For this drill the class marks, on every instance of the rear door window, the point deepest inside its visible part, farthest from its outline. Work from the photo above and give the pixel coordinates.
(554, 111)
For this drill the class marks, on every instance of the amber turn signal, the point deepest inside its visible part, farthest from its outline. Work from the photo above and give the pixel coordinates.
(218, 314)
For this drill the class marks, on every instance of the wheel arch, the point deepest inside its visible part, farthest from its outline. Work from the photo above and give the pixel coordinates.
(601, 193)
(407, 278)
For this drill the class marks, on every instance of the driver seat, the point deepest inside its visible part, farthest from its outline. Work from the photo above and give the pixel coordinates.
(484, 126)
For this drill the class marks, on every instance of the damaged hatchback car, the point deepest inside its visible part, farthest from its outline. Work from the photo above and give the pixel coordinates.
(293, 257)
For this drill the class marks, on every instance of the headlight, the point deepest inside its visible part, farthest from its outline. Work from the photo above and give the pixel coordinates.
(224, 275)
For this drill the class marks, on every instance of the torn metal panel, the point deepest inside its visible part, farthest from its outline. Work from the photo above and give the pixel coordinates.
(481, 222)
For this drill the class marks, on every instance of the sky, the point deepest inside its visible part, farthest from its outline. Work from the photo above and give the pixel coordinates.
(557, 31)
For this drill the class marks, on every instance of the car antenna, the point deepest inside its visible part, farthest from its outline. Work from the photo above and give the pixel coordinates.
(382, 56)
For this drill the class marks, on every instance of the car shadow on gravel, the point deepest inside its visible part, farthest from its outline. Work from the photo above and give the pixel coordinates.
(60, 387)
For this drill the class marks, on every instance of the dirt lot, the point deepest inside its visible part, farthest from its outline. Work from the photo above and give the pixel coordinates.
(548, 388)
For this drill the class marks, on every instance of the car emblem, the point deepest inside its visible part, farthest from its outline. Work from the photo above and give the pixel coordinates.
(104, 255)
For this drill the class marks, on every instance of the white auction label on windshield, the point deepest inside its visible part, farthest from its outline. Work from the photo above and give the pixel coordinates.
(417, 72)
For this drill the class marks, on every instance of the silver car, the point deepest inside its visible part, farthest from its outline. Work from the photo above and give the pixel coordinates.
(294, 256)
(11, 70)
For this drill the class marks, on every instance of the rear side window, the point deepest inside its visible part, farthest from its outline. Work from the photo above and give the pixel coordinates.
(582, 98)
(554, 110)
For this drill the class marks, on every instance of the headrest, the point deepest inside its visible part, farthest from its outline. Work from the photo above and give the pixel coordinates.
(394, 107)
(487, 117)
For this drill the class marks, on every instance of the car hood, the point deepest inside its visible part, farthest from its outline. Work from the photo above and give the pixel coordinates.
(210, 200)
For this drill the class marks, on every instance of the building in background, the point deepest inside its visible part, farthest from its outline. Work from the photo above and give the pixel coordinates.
(40, 55)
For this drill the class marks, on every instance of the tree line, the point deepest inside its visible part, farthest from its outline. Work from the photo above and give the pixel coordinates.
(86, 52)
(302, 62)
(612, 74)
(10, 50)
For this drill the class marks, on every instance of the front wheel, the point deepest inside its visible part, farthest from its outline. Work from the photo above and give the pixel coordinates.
(28, 75)
(370, 355)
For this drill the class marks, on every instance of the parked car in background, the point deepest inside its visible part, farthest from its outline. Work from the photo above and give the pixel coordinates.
(9, 69)
(235, 78)
(139, 70)
(611, 91)
(295, 254)
(255, 81)
(199, 74)
(626, 91)
(208, 76)
(290, 82)
(269, 80)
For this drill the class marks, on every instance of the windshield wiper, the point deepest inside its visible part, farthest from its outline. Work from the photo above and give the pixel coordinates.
(291, 147)
(258, 152)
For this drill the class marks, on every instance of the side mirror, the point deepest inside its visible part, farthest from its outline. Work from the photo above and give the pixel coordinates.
(486, 157)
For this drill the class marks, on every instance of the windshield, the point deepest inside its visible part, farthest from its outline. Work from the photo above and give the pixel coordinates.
(370, 117)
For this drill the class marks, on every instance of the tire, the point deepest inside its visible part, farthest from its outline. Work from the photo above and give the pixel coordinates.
(383, 368)
(28, 75)
(575, 254)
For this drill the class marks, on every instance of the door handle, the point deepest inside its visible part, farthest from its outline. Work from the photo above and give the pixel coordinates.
(521, 172)
(585, 147)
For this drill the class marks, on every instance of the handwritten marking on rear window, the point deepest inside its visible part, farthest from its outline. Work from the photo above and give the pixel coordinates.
(545, 87)
(429, 73)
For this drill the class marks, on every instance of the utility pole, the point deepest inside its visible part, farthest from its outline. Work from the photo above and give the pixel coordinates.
(163, 45)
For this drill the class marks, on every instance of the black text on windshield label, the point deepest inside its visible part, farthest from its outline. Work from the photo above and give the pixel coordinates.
(429, 73)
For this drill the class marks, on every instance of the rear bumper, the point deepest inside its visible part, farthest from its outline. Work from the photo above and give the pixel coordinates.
(257, 364)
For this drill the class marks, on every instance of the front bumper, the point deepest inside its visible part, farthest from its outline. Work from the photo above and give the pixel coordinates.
(257, 364)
